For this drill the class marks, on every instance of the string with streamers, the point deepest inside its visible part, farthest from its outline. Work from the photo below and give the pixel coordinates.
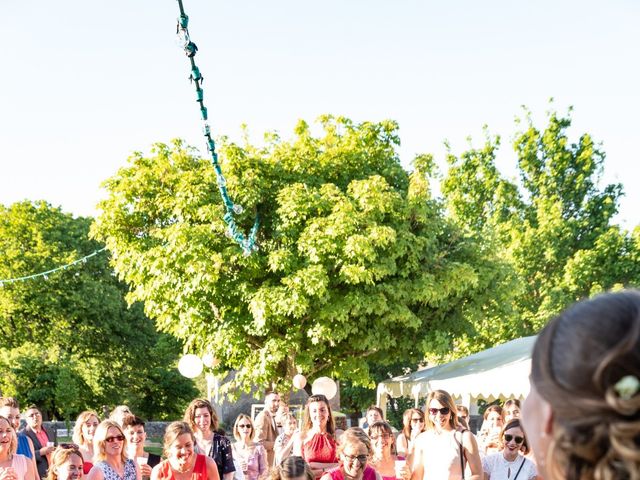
(46, 274)
(247, 243)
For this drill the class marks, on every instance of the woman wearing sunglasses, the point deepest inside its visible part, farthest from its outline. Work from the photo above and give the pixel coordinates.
(67, 463)
(110, 460)
(412, 425)
(510, 464)
(251, 457)
(354, 452)
(445, 450)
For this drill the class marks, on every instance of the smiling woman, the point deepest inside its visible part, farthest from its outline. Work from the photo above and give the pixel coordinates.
(445, 450)
(13, 466)
(354, 452)
(109, 445)
(182, 462)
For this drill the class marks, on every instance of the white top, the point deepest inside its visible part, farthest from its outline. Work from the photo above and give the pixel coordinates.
(439, 453)
(498, 468)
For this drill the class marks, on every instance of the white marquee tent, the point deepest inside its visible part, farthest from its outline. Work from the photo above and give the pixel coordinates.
(499, 372)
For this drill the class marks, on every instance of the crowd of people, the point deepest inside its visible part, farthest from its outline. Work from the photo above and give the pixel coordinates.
(581, 421)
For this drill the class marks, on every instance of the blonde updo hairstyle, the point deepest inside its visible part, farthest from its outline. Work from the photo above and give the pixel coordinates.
(59, 457)
(578, 361)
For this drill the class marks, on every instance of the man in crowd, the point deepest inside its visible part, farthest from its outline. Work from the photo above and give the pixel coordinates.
(43, 441)
(265, 425)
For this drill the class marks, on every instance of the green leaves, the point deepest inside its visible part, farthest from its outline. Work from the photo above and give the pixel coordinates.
(70, 341)
(357, 265)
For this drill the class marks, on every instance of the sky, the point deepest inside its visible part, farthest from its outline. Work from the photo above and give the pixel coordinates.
(84, 83)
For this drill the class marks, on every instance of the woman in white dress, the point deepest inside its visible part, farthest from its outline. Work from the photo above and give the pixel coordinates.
(445, 450)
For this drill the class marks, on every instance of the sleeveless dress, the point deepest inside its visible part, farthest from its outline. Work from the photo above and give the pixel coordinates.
(320, 448)
(368, 474)
(199, 469)
(19, 464)
(440, 454)
(110, 474)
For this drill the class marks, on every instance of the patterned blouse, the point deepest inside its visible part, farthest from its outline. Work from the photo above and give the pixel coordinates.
(220, 451)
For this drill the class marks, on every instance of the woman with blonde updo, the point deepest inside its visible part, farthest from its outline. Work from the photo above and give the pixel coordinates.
(582, 415)
(67, 463)
(83, 432)
(292, 468)
(354, 453)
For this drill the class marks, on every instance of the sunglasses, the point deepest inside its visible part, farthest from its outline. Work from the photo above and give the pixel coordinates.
(116, 438)
(518, 440)
(69, 446)
(417, 420)
(245, 426)
(361, 458)
(443, 411)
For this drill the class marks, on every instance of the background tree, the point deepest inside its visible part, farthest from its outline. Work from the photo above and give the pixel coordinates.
(69, 341)
(357, 265)
(554, 226)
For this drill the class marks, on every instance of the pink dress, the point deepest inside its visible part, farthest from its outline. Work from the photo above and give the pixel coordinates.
(19, 464)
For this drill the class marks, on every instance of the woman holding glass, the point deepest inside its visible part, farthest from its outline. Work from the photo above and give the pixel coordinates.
(251, 456)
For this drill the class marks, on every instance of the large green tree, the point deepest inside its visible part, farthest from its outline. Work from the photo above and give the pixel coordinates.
(357, 266)
(70, 341)
(554, 224)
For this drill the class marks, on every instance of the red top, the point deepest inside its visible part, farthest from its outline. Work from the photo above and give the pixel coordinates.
(199, 469)
(321, 448)
(86, 467)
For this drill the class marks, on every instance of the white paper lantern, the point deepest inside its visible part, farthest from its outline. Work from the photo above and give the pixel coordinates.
(299, 381)
(190, 366)
(324, 386)
(209, 360)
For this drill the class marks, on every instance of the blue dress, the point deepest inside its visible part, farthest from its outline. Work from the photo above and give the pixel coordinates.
(23, 446)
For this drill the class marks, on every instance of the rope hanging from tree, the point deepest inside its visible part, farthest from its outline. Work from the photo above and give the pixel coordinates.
(247, 243)
(46, 274)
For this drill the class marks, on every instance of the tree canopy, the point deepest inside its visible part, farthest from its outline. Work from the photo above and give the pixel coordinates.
(357, 264)
(554, 224)
(70, 341)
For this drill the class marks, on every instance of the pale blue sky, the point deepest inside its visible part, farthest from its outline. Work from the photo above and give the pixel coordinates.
(86, 82)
